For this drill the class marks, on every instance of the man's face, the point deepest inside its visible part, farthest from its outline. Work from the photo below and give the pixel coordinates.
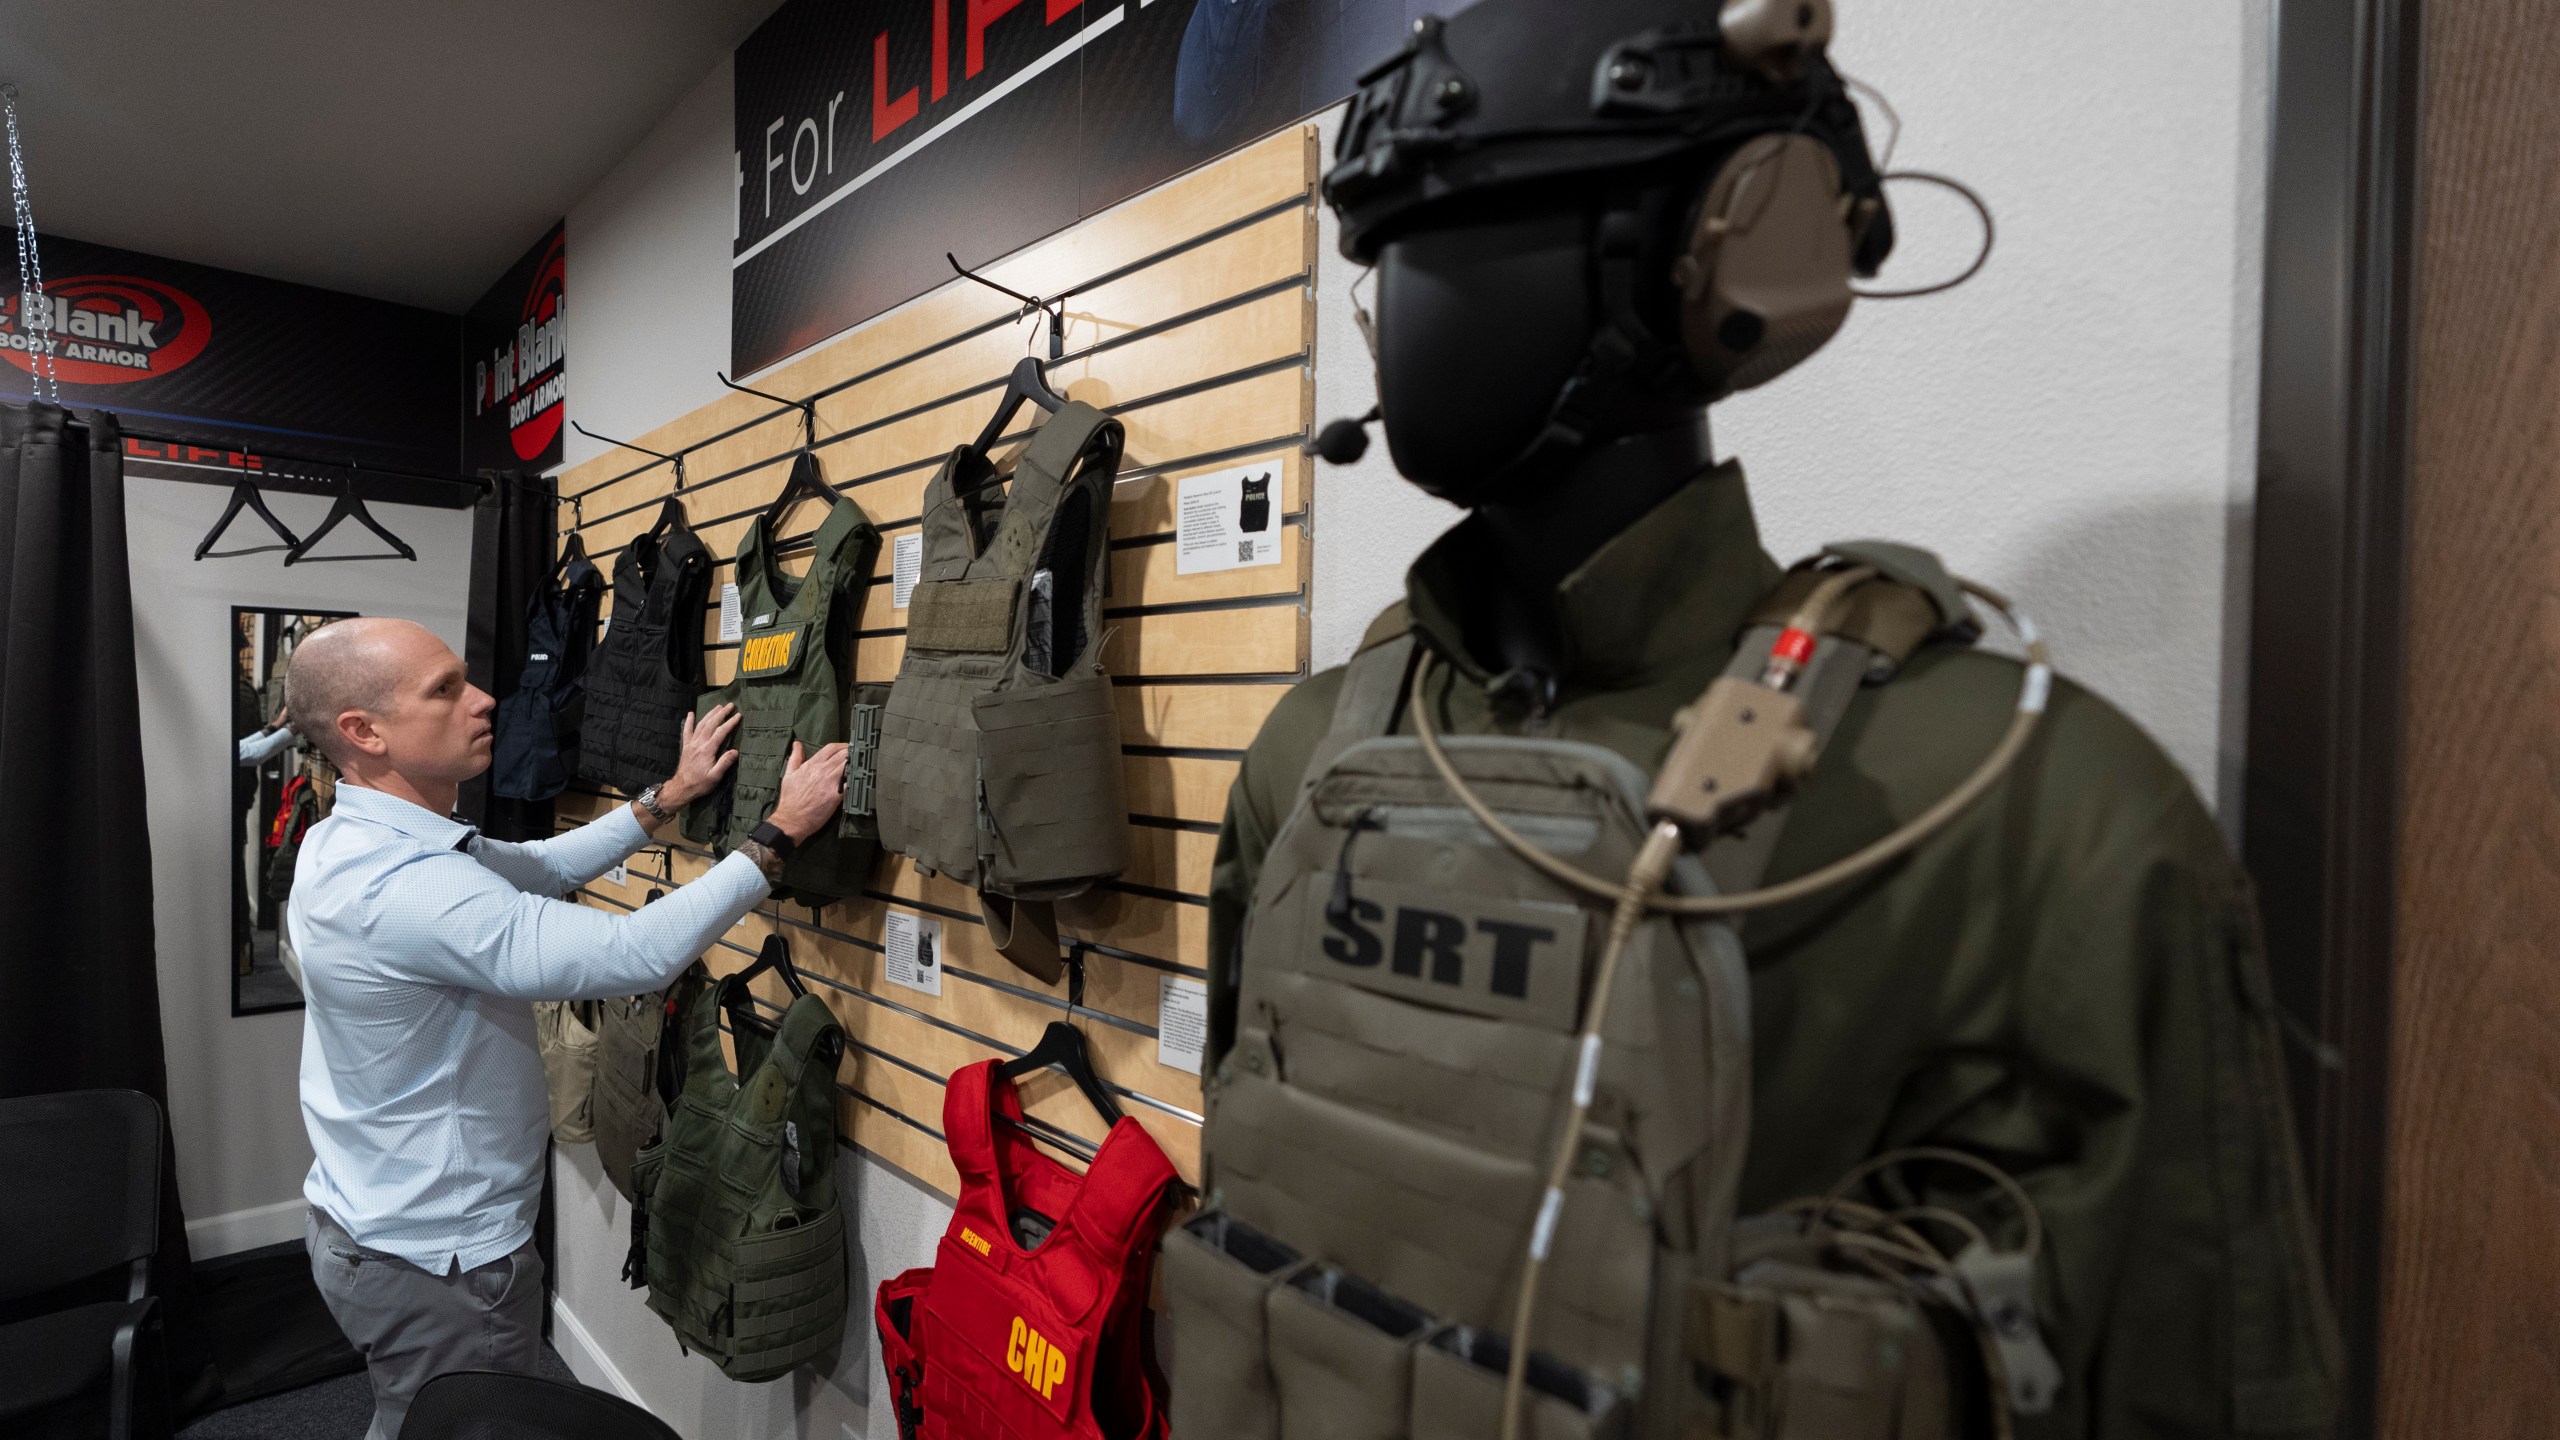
(438, 725)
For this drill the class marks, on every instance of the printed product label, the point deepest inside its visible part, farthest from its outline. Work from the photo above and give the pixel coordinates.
(1182, 1022)
(733, 623)
(1227, 520)
(906, 563)
(914, 944)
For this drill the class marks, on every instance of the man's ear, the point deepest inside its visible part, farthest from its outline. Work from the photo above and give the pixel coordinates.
(356, 728)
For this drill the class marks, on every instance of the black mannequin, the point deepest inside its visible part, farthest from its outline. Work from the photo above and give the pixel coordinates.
(1478, 325)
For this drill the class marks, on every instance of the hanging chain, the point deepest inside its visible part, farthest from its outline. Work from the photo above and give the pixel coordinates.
(35, 311)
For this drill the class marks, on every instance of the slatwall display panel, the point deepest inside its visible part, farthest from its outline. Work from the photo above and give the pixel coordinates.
(1189, 318)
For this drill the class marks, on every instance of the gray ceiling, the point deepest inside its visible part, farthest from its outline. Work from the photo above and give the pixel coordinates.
(408, 151)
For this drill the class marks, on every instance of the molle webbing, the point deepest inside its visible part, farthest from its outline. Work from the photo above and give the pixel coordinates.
(644, 676)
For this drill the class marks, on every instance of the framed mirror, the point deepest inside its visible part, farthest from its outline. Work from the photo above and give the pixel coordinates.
(280, 788)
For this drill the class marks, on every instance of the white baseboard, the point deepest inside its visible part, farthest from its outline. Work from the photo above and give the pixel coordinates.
(585, 1357)
(238, 1230)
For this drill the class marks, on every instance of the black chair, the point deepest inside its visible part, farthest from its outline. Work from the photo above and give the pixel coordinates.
(79, 1217)
(498, 1405)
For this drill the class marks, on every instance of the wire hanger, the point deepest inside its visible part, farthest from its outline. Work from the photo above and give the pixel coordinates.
(1029, 380)
(676, 460)
(350, 506)
(808, 408)
(244, 493)
(1063, 1045)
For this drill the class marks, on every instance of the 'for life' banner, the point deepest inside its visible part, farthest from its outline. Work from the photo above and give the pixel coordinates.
(873, 135)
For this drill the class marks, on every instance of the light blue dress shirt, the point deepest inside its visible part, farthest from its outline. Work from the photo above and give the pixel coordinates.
(258, 746)
(423, 946)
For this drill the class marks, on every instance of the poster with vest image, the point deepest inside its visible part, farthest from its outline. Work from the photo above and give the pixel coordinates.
(515, 364)
(874, 135)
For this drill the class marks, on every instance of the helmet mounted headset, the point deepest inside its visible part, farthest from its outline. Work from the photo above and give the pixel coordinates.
(1511, 95)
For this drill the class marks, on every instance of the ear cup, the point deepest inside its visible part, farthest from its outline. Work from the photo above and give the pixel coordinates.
(1765, 280)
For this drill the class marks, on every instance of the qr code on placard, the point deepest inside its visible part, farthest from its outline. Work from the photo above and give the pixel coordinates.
(1244, 550)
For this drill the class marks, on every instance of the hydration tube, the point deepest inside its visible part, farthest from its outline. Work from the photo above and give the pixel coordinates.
(1640, 891)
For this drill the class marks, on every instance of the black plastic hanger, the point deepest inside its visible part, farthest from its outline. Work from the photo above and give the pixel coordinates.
(775, 956)
(1027, 382)
(350, 505)
(805, 483)
(244, 493)
(670, 516)
(1063, 1045)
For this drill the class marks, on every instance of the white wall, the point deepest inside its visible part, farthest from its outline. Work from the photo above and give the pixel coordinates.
(2076, 427)
(234, 1106)
(648, 288)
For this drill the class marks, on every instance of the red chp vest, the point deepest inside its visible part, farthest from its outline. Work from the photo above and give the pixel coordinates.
(996, 1341)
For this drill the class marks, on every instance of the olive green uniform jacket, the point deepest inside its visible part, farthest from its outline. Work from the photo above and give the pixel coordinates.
(2068, 981)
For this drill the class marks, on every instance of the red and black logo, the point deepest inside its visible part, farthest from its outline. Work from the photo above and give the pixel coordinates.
(524, 374)
(108, 329)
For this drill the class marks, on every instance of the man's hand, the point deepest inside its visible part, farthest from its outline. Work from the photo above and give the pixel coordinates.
(284, 717)
(812, 791)
(706, 757)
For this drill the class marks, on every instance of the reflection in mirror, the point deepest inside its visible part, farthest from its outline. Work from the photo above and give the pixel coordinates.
(280, 788)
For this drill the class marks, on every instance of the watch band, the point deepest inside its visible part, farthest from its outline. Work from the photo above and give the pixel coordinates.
(648, 800)
(770, 836)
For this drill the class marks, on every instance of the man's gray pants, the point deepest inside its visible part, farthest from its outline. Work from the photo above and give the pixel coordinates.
(411, 1326)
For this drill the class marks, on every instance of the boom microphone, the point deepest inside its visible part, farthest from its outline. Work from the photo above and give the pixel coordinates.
(1344, 441)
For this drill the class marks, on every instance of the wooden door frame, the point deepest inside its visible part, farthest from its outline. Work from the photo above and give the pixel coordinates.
(2328, 593)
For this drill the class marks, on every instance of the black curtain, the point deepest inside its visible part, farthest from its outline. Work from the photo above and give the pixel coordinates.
(79, 984)
(511, 554)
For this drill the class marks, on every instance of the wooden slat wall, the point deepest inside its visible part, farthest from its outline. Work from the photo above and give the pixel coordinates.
(1192, 321)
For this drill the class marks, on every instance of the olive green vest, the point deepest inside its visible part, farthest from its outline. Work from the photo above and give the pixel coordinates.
(1000, 750)
(743, 1225)
(1410, 994)
(793, 682)
(639, 1069)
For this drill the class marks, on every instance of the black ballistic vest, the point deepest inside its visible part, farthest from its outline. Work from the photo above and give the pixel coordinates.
(537, 726)
(644, 677)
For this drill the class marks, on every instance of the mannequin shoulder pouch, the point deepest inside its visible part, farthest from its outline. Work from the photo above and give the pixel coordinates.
(743, 1228)
(794, 683)
(999, 760)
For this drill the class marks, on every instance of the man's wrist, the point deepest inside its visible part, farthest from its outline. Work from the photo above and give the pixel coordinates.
(654, 807)
(763, 857)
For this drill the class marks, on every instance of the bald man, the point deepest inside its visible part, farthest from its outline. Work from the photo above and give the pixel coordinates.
(423, 946)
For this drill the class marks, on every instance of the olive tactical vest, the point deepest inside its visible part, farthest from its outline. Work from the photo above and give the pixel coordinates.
(564, 1031)
(1410, 993)
(1000, 751)
(744, 1228)
(639, 1069)
(794, 682)
(644, 677)
(538, 723)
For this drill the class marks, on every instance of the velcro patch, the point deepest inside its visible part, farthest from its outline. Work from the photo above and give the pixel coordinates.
(1508, 959)
(769, 653)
